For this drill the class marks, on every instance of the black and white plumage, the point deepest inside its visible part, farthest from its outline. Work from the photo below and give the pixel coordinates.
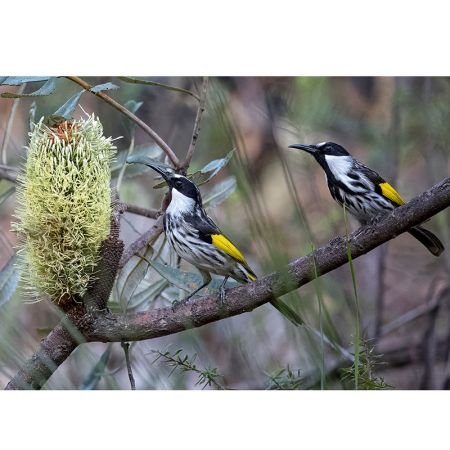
(363, 192)
(196, 238)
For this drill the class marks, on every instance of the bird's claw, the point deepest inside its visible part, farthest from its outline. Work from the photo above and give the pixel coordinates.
(177, 303)
(222, 296)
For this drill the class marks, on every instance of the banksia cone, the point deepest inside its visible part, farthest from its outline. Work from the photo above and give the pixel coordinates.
(64, 206)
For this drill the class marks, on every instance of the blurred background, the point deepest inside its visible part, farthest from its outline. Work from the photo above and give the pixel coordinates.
(273, 202)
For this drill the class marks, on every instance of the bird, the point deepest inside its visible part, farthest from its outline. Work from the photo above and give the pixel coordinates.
(362, 191)
(195, 237)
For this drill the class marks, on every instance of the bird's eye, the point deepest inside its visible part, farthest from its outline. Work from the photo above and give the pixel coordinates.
(178, 184)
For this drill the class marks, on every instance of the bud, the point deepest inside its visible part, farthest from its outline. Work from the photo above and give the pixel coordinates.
(64, 206)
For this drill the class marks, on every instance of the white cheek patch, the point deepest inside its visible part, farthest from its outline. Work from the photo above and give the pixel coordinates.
(180, 203)
(339, 165)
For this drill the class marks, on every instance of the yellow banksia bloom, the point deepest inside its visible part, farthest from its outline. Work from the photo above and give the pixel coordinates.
(64, 206)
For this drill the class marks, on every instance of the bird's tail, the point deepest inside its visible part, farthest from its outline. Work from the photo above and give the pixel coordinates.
(427, 238)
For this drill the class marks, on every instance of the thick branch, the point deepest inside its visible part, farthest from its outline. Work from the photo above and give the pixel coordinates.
(164, 321)
(152, 133)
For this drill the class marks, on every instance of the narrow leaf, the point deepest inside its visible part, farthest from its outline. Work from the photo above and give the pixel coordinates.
(16, 81)
(68, 108)
(220, 192)
(161, 85)
(5, 195)
(9, 277)
(103, 87)
(95, 375)
(47, 89)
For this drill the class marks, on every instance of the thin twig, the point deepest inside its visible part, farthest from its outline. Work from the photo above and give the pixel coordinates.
(126, 350)
(9, 125)
(151, 213)
(158, 140)
(198, 119)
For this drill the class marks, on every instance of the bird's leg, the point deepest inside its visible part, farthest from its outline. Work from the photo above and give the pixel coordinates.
(206, 280)
(222, 290)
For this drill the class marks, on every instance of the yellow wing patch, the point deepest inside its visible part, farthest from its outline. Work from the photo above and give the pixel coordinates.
(389, 192)
(223, 243)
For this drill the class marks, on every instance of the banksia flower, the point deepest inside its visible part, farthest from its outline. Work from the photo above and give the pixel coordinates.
(64, 206)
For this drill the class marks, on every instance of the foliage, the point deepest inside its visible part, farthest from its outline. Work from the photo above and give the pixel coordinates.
(362, 374)
(177, 361)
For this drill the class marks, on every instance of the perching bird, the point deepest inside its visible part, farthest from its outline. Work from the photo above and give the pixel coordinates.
(197, 239)
(363, 192)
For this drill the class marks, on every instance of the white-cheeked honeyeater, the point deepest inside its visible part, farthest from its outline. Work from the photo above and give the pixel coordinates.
(197, 239)
(363, 191)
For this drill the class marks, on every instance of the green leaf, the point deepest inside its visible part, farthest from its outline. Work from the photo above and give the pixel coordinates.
(131, 276)
(103, 87)
(220, 192)
(47, 89)
(147, 293)
(5, 195)
(150, 150)
(133, 106)
(187, 281)
(204, 175)
(145, 159)
(161, 85)
(210, 170)
(95, 375)
(68, 108)
(16, 81)
(9, 277)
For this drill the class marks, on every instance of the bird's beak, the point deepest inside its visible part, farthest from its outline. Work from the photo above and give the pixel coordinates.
(307, 148)
(165, 171)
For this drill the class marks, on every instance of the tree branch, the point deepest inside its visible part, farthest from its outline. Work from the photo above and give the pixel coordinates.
(158, 140)
(163, 321)
(196, 130)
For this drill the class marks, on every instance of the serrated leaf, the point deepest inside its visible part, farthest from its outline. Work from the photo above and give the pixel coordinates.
(220, 192)
(47, 89)
(9, 277)
(68, 108)
(161, 85)
(17, 81)
(95, 375)
(103, 87)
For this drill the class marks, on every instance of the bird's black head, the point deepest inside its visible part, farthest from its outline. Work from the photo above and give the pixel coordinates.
(181, 184)
(184, 186)
(319, 151)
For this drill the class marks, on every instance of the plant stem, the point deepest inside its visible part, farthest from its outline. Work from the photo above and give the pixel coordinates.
(158, 140)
